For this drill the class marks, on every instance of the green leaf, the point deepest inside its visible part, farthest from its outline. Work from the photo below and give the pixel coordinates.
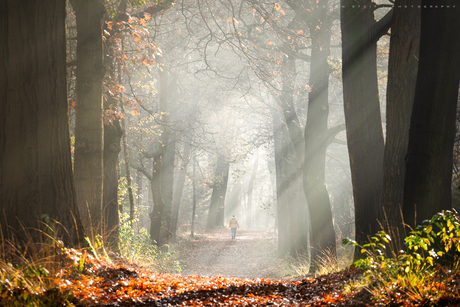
(428, 228)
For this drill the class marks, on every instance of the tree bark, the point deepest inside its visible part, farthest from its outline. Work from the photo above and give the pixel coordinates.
(402, 74)
(293, 220)
(161, 197)
(112, 134)
(112, 148)
(312, 144)
(322, 233)
(35, 161)
(360, 33)
(158, 204)
(89, 142)
(427, 184)
(290, 187)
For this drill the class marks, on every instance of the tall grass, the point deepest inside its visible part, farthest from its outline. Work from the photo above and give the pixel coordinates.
(30, 271)
(328, 262)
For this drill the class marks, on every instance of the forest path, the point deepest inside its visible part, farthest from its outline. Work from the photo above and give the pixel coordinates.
(251, 255)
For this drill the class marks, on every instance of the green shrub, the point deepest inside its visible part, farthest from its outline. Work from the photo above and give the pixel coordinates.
(424, 271)
(137, 246)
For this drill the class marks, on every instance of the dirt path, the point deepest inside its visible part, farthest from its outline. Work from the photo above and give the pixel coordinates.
(251, 255)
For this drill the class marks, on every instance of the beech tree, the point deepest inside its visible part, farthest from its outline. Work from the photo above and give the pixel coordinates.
(360, 33)
(89, 139)
(402, 74)
(427, 184)
(35, 166)
(98, 90)
(317, 134)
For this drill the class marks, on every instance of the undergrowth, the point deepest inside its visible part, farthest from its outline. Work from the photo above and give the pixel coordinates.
(136, 246)
(30, 273)
(36, 273)
(425, 273)
(326, 263)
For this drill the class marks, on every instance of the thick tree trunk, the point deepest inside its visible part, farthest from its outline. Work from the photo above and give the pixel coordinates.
(287, 104)
(297, 224)
(35, 162)
(311, 146)
(427, 185)
(360, 33)
(402, 74)
(316, 139)
(89, 143)
(293, 220)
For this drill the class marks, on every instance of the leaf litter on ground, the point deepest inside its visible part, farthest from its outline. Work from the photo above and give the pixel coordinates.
(121, 285)
(230, 266)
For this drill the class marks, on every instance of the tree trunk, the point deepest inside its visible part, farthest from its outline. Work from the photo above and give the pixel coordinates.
(167, 184)
(287, 104)
(402, 74)
(112, 134)
(179, 188)
(35, 162)
(360, 33)
(112, 137)
(282, 212)
(89, 143)
(128, 172)
(157, 181)
(216, 207)
(316, 139)
(293, 221)
(427, 184)
(297, 224)
(158, 204)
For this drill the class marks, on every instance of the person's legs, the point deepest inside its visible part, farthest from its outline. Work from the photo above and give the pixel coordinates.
(233, 233)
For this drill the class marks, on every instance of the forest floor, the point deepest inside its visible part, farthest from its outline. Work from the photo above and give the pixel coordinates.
(252, 254)
(217, 271)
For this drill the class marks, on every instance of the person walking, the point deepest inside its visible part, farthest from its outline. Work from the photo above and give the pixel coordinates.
(233, 224)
